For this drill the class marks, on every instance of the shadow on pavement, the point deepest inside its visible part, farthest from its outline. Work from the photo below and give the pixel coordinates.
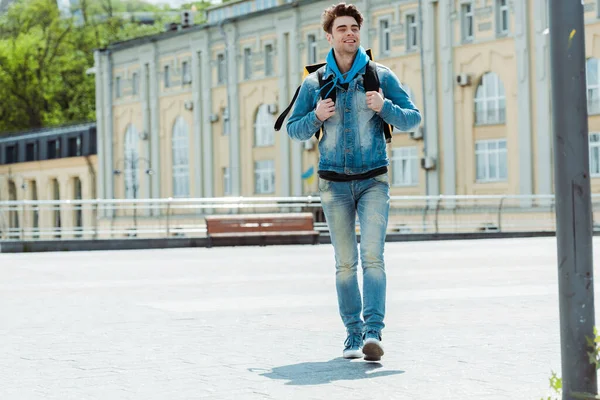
(318, 373)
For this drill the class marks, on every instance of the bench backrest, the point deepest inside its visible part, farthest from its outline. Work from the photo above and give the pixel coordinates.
(259, 223)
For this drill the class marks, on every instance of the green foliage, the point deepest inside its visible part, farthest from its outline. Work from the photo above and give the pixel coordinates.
(594, 357)
(44, 58)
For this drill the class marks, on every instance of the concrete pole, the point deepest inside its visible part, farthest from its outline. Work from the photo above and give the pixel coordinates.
(573, 199)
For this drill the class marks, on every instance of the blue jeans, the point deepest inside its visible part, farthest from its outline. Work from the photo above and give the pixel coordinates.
(342, 201)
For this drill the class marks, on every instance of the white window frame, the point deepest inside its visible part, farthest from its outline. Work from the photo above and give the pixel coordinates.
(502, 18)
(594, 145)
(264, 177)
(385, 36)
(593, 85)
(167, 76)
(405, 166)
(118, 91)
(269, 59)
(412, 32)
(221, 69)
(247, 63)
(226, 182)
(186, 73)
(496, 114)
(135, 83)
(494, 150)
(467, 22)
(264, 134)
(180, 162)
(312, 48)
(130, 161)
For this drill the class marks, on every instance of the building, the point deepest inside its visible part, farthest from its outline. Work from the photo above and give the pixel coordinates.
(47, 164)
(190, 112)
(198, 104)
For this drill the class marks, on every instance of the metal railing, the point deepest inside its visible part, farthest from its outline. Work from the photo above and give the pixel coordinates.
(171, 217)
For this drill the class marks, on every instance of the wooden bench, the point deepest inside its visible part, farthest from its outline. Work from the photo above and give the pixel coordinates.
(261, 229)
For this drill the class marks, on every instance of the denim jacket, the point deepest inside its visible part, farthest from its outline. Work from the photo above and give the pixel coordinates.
(353, 141)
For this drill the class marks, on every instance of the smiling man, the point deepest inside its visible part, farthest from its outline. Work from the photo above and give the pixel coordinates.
(353, 162)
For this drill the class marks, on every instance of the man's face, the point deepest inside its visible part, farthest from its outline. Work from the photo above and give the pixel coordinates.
(345, 35)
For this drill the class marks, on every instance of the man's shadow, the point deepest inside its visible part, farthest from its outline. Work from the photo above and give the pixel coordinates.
(318, 373)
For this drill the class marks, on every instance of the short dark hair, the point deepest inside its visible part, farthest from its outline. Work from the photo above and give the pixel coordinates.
(340, 10)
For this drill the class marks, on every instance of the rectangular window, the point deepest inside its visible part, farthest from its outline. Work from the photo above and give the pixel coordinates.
(74, 147)
(186, 73)
(502, 17)
(467, 22)
(490, 160)
(384, 36)
(264, 177)
(412, 32)
(135, 83)
(31, 152)
(10, 154)
(247, 63)
(594, 154)
(167, 77)
(118, 87)
(53, 149)
(312, 49)
(226, 182)
(269, 59)
(405, 170)
(221, 69)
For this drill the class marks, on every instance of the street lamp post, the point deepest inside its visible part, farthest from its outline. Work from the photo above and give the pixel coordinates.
(131, 163)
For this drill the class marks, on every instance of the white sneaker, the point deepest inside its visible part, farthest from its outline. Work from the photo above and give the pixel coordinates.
(372, 348)
(353, 346)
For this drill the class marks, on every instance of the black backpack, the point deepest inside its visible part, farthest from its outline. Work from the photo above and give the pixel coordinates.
(371, 81)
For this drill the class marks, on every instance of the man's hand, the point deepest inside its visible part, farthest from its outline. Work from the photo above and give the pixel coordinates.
(325, 109)
(375, 100)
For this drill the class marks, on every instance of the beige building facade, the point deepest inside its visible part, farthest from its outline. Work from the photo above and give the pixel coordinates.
(190, 113)
(48, 167)
(198, 104)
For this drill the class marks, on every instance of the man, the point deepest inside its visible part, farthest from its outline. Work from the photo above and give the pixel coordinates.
(353, 175)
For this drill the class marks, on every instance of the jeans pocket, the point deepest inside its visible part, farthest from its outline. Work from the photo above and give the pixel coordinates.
(383, 178)
(324, 185)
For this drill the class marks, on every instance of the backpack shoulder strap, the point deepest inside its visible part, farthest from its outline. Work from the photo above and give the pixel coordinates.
(309, 69)
(371, 80)
(325, 85)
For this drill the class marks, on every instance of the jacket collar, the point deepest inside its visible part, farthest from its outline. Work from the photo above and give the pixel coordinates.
(329, 72)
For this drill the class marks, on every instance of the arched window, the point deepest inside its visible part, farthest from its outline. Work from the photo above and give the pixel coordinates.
(130, 163)
(592, 77)
(490, 101)
(181, 160)
(264, 134)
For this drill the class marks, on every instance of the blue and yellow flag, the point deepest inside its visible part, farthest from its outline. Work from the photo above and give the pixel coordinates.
(309, 175)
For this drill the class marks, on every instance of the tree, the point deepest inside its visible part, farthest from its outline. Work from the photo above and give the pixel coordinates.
(44, 58)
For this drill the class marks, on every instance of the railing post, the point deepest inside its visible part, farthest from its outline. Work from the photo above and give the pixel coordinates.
(500, 213)
(23, 221)
(95, 218)
(437, 211)
(168, 215)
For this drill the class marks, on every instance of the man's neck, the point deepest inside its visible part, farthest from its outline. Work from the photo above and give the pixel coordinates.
(344, 61)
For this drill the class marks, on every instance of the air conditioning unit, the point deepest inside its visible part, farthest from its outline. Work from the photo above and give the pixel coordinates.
(273, 108)
(187, 18)
(214, 118)
(189, 105)
(417, 133)
(428, 163)
(463, 79)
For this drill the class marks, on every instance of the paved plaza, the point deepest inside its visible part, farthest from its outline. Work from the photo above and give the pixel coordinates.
(465, 320)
